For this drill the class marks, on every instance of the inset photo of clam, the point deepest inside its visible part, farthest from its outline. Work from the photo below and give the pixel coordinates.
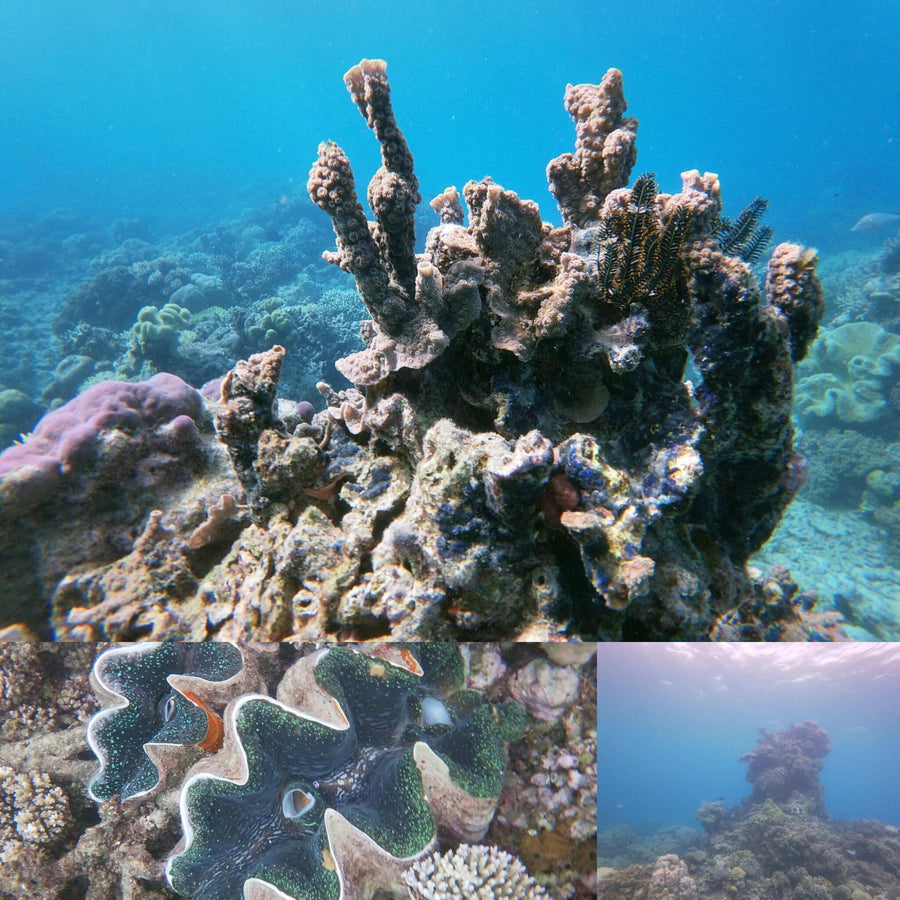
(226, 771)
(752, 772)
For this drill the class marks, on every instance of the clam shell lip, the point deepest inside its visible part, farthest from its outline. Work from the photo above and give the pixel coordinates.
(109, 690)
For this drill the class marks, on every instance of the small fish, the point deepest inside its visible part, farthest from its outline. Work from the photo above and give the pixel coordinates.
(876, 220)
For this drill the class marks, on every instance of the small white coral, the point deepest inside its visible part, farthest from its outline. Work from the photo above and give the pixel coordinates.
(483, 872)
(33, 810)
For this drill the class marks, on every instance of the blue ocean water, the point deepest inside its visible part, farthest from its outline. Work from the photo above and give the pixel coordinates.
(674, 720)
(175, 110)
(168, 116)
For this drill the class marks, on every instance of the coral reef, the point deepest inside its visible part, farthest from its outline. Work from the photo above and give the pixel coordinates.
(847, 406)
(92, 467)
(88, 434)
(582, 326)
(778, 845)
(33, 811)
(787, 764)
(521, 453)
(548, 814)
(865, 587)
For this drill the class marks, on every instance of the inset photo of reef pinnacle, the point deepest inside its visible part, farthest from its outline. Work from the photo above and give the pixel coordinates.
(262, 771)
(764, 772)
(550, 432)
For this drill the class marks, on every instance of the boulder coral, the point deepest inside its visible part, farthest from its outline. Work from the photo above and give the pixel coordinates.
(849, 376)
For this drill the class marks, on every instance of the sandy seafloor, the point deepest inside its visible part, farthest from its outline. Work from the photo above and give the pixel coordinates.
(57, 844)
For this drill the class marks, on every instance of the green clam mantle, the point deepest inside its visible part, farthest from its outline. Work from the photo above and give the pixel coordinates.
(333, 788)
(159, 695)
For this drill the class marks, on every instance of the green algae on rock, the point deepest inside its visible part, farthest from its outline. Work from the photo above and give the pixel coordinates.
(331, 790)
(161, 696)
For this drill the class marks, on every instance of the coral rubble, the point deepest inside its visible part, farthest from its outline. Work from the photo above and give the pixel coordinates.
(522, 451)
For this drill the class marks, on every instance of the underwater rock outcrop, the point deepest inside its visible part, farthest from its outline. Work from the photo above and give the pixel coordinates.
(522, 452)
(563, 344)
(786, 764)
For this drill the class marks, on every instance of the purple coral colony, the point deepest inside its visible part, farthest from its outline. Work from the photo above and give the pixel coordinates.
(580, 431)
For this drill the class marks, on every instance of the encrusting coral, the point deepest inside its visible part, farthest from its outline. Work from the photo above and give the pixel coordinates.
(575, 339)
(521, 447)
(788, 763)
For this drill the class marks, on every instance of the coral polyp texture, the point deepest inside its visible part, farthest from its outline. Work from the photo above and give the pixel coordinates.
(580, 430)
(158, 694)
(480, 871)
(334, 797)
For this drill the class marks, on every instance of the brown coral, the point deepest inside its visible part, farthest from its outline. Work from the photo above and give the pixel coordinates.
(605, 150)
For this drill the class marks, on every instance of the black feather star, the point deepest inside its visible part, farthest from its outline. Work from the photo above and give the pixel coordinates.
(744, 237)
(639, 253)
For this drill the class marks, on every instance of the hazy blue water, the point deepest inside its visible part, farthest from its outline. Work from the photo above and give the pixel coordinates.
(674, 720)
(169, 108)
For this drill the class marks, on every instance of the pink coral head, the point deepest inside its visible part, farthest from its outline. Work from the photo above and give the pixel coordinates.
(76, 448)
(212, 390)
(184, 429)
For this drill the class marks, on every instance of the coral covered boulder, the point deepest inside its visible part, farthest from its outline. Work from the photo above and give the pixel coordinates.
(579, 336)
(788, 763)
